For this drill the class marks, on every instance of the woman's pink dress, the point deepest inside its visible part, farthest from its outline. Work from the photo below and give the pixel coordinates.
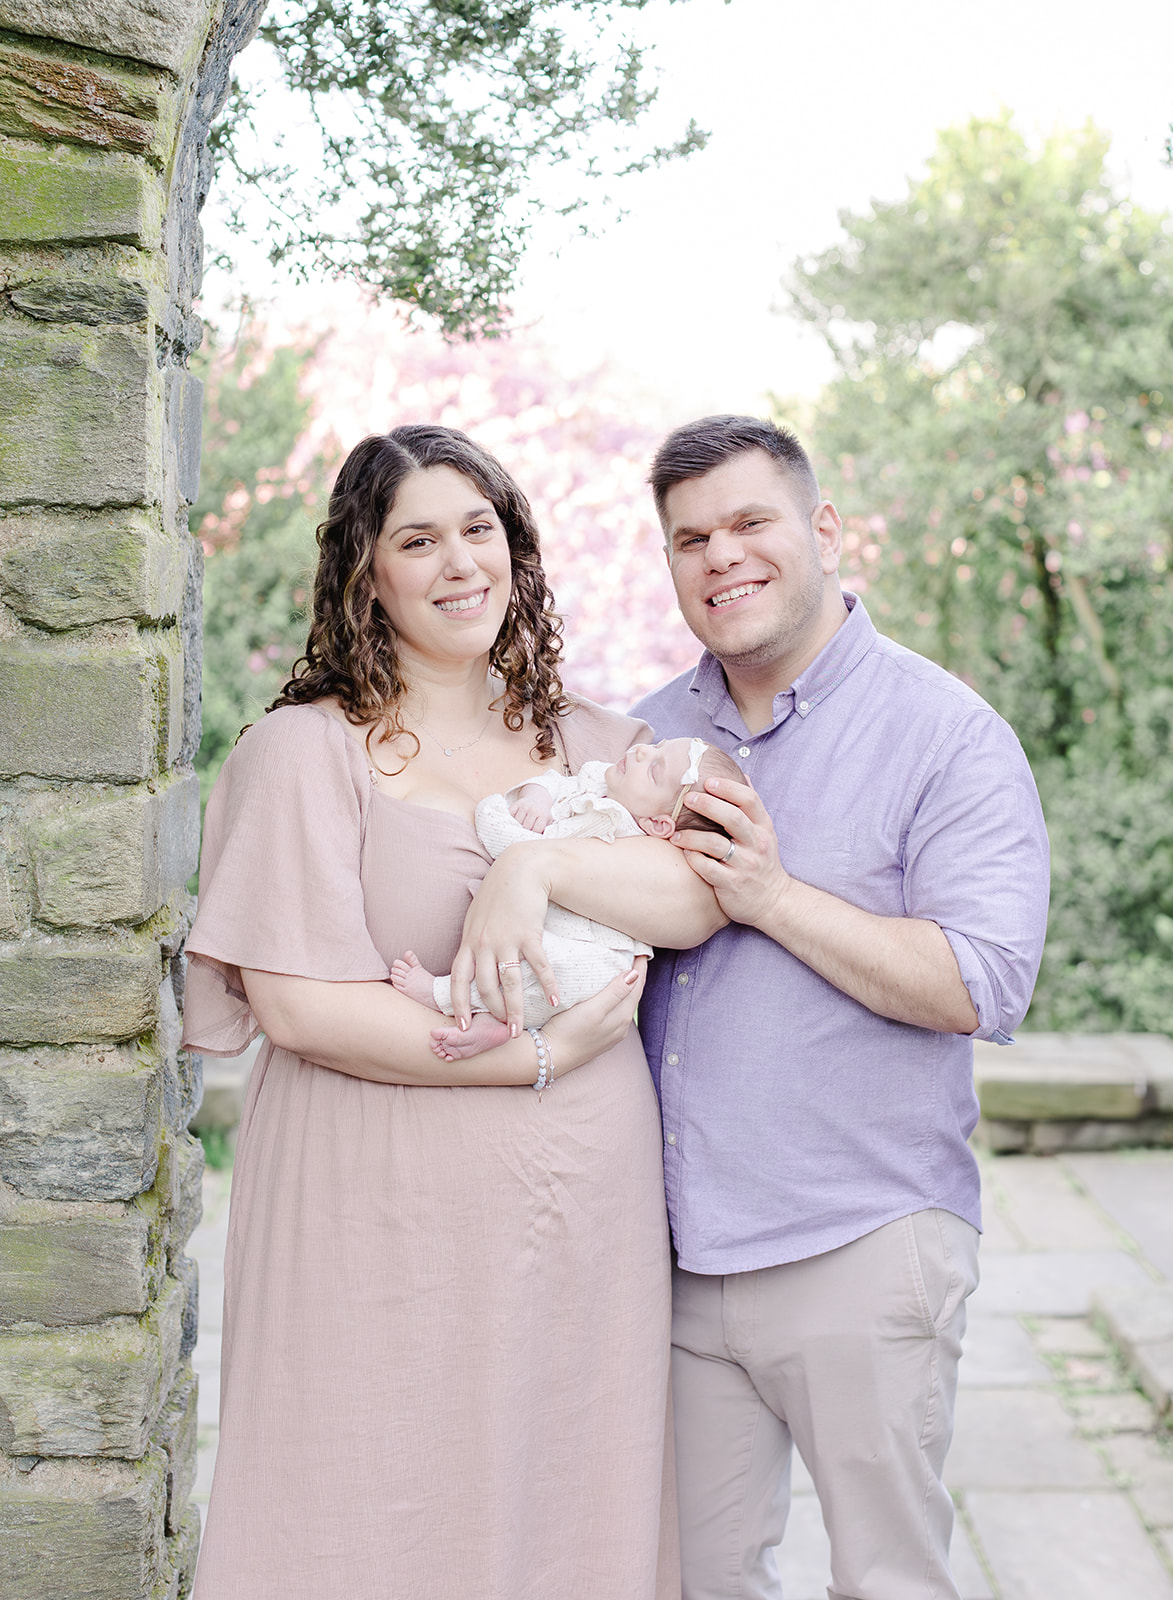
(445, 1358)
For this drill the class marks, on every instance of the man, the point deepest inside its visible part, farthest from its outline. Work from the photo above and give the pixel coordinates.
(886, 890)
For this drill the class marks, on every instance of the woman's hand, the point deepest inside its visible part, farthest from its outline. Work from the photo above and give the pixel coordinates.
(597, 1024)
(503, 927)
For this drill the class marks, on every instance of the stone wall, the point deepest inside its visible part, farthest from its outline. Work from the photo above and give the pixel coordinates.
(104, 111)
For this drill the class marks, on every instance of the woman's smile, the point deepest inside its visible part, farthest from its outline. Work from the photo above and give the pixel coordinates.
(463, 605)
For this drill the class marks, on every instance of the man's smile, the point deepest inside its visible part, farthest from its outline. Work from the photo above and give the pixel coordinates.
(727, 596)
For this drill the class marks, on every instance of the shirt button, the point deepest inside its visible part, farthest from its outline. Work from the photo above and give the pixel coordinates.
(804, 705)
(682, 979)
(744, 751)
(672, 1060)
(671, 1139)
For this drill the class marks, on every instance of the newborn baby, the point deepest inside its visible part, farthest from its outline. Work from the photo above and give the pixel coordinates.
(643, 792)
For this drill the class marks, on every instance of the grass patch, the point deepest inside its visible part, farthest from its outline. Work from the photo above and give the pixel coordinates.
(218, 1146)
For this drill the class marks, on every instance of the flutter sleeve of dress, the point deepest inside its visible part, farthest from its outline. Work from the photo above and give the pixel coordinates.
(280, 888)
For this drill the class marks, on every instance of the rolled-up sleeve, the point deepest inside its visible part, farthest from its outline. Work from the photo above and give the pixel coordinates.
(976, 862)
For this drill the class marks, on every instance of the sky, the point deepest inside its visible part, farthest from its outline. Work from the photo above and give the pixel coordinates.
(811, 109)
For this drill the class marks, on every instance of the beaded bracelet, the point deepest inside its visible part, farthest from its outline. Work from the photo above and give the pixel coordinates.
(545, 1075)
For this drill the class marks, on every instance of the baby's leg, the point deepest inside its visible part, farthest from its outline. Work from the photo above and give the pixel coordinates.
(484, 1032)
(581, 968)
(414, 980)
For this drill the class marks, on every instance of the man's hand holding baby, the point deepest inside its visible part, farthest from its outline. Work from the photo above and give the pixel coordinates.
(749, 880)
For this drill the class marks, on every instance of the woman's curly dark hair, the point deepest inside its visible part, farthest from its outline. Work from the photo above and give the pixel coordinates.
(351, 651)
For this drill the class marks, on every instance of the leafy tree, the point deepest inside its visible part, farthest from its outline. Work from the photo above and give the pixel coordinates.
(431, 118)
(1001, 437)
(259, 497)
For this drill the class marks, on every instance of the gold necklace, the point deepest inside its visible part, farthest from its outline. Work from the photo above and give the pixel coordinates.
(455, 749)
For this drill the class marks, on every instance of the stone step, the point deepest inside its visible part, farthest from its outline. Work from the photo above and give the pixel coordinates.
(1059, 1091)
(1140, 1323)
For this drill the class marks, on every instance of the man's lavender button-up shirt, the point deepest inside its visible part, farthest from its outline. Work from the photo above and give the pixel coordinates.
(795, 1119)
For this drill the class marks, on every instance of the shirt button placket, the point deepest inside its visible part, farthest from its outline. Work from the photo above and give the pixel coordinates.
(672, 1090)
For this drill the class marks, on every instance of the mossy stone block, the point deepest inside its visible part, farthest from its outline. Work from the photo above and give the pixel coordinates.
(61, 994)
(61, 570)
(78, 1270)
(186, 1159)
(83, 416)
(182, 1550)
(59, 297)
(12, 917)
(83, 1530)
(90, 1391)
(78, 714)
(163, 33)
(171, 667)
(185, 421)
(75, 198)
(119, 860)
(176, 1434)
(74, 1130)
(47, 96)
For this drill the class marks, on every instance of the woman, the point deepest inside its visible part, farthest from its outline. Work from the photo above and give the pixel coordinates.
(444, 1370)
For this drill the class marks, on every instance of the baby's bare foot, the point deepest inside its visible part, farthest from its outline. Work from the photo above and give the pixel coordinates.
(484, 1032)
(413, 980)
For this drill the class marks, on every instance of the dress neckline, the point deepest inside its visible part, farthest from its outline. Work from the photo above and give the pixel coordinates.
(415, 805)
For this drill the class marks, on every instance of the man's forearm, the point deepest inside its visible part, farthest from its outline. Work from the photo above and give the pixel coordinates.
(899, 967)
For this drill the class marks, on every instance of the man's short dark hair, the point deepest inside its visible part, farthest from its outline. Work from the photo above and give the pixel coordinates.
(698, 447)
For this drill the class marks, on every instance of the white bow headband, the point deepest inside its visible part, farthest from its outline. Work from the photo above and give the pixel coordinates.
(696, 749)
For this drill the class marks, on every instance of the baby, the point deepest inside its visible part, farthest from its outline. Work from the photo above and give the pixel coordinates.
(643, 792)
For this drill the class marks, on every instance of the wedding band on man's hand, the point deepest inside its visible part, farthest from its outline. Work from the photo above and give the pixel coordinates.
(728, 856)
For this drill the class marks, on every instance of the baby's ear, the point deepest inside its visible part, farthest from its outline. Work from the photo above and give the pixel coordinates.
(658, 827)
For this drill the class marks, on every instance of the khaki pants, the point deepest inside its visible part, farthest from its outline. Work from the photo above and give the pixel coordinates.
(852, 1355)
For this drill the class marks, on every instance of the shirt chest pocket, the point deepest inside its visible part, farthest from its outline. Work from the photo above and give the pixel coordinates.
(823, 857)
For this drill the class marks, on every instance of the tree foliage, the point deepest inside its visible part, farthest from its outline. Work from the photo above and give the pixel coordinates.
(431, 119)
(1001, 438)
(258, 504)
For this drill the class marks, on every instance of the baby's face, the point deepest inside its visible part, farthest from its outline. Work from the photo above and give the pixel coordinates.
(647, 779)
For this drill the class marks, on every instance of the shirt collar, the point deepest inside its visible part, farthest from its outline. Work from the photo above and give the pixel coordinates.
(839, 656)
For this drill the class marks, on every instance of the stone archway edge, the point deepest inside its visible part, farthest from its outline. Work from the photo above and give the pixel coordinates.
(104, 114)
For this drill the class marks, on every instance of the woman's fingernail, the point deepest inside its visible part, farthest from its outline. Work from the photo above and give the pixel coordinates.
(554, 1001)
(631, 977)
(513, 1030)
(461, 1024)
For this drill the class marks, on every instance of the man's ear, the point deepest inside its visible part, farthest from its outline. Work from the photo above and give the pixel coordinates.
(827, 526)
(658, 827)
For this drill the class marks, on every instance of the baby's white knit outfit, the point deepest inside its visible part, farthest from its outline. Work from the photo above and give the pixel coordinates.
(585, 955)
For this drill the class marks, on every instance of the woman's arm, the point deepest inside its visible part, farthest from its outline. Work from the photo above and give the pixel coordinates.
(369, 1030)
(642, 886)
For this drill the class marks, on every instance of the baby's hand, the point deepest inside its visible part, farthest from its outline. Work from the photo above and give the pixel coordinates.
(533, 808)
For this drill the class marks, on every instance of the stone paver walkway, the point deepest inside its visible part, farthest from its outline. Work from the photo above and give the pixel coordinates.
(1062, 1479)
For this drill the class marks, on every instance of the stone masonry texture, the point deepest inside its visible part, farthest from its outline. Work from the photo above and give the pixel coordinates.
(105, 110)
